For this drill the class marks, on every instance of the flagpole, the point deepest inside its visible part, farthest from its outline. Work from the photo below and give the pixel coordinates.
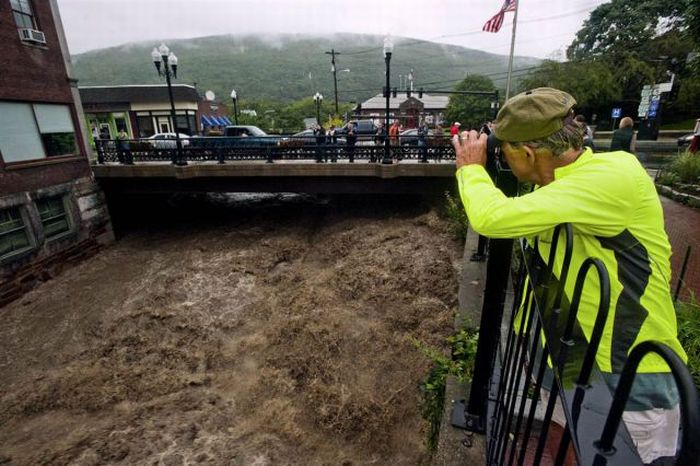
(512, 49)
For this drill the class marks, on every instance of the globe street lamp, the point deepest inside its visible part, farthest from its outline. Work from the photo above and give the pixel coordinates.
(234, 97)
(318, 98)
(165, 62)
(388, 49)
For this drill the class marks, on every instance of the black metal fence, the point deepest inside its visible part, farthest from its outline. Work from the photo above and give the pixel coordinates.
(271, 149)
(530, 361)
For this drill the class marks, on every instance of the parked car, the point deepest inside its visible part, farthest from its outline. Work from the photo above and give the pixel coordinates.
(167, 140)
(362, 127)
(685, 140)
(410, 137)
(688, 138)
(249, 136)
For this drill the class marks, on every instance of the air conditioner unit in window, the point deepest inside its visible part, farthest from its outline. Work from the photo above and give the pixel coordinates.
(32, 35)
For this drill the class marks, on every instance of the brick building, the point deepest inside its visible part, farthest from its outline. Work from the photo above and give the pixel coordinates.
(51, 211)
(409, 110)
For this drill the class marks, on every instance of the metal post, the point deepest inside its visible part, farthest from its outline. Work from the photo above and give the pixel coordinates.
(235, 110)
(335, 80)
(333, 53)
(387, 148)
(318, 111)
(178, 159)
(681, 279)
(512, 50)
(497, 278)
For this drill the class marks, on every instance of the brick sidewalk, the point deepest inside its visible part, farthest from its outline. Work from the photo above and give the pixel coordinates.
(683, 229)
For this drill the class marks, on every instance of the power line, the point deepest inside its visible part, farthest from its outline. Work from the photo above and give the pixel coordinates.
(468, 33)
(519, 71)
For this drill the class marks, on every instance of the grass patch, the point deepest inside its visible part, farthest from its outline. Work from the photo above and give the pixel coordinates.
(460, 365)
(688, 124)
(688, 314)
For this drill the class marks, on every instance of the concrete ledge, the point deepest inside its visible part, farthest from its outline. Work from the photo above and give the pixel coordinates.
(457, 447)
(277, 169)
(662, 146)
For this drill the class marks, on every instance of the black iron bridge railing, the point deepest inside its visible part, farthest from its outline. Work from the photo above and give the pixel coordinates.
(274, 148)
(545, 361)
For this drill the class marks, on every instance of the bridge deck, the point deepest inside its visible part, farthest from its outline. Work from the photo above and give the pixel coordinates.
(281, 176)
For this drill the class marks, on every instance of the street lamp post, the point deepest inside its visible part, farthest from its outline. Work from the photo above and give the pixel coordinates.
(165, 62)
(388, 49)
(318, 98)
(234, 97)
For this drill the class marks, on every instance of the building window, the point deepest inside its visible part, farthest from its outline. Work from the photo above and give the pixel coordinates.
(56, 128)
(145, 124)
(22, 12)
(13, 232)
(35, 131)
(120, 123)
(53, 215)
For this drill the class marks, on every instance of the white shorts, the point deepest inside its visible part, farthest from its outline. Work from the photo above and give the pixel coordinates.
(654, 431)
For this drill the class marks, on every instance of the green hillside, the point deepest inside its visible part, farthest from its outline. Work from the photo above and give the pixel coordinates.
(290, 67)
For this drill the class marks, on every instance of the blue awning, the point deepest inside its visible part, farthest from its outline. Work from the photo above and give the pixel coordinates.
(228, 122)
(206, 121)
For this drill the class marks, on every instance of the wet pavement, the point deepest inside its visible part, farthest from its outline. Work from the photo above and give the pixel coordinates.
(683, 228)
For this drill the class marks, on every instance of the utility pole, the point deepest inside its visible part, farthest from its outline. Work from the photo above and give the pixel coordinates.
(333, 53)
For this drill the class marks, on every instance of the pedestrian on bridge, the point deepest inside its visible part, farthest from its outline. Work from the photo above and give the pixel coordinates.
(616, 215)
(320, 136)
(123, 148)
(422, 142)
(350, 140)
(454, 129)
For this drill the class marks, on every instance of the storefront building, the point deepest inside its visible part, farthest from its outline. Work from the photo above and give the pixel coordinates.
(142, 110)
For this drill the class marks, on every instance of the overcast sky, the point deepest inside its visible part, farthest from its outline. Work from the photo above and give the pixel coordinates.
(544, 26)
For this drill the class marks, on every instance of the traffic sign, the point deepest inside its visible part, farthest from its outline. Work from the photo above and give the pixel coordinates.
(616, 112)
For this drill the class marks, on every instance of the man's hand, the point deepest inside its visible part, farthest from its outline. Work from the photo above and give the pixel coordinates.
(470, 149)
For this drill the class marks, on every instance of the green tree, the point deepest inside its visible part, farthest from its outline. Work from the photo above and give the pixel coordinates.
(469, 110)
(592, 84)
(622, 27)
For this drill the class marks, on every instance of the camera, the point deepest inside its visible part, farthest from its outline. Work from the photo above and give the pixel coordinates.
(495, 162)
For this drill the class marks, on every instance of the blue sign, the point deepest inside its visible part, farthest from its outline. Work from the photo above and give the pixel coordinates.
(616, 112)
(652, 112)
(653, 106)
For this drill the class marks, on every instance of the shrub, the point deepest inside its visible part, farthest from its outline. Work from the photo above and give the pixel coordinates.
(460, 365)
(687, 167)
(667, 178)
(458, 224)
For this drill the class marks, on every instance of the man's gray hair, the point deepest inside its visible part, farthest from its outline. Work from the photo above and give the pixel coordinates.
(570, 136)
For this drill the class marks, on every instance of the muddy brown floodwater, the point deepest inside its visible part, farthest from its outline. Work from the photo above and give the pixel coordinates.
(229, 331)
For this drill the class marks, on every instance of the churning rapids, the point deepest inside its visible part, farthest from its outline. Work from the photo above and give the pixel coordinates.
(231, 330)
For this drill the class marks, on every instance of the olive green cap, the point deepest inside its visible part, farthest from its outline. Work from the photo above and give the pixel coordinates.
(533, 114)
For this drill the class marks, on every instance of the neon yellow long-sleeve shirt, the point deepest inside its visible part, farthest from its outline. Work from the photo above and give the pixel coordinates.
(615, 212)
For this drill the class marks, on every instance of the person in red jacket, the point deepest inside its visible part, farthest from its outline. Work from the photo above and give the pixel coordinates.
(454, 129)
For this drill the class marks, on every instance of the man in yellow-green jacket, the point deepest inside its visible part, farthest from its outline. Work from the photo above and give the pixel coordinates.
(615, 212)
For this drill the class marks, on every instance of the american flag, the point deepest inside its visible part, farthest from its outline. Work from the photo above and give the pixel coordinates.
(495, 23)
